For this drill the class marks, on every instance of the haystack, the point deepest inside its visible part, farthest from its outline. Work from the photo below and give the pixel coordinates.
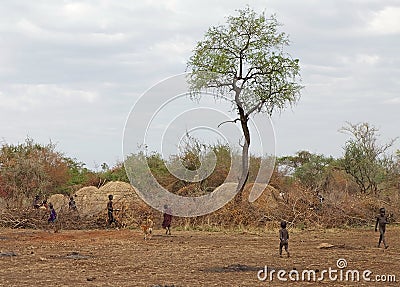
(89, 201)
(59, 201)
(269, 198)
(118, 186)
(93, 201)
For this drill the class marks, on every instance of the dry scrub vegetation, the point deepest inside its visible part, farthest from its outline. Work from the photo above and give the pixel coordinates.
(307, 190)
(299, 206)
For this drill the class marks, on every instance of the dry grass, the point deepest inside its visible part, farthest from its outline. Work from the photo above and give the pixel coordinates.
(300, 207)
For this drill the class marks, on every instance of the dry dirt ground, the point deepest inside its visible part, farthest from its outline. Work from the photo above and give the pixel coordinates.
(190, 258)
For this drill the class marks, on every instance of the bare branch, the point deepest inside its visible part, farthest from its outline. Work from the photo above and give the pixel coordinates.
(232, 121)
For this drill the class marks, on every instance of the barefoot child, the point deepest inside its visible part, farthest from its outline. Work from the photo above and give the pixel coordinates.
(52, 217)
(167, 220)
(110, 210)
(53, 214)
(284, 238)
(72, 204)
(381, 221)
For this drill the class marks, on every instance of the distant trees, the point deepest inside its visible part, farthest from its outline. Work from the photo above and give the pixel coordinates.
(31, 168)
(115, 173)
(364, 158)
(365, 161)
(79, 175)
(312, 170)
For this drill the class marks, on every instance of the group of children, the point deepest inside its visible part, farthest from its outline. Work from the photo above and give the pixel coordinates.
(50, 208)
(381, 221)
(37, 204)
(45, 206)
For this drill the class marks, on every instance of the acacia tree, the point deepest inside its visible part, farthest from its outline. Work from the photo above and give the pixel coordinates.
(364, 158)
(245, 60)
(312, 170)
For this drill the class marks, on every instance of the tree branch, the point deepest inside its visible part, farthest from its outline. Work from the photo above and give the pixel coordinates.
(232, 121)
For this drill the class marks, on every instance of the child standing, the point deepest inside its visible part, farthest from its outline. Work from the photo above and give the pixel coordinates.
(381, 221)
(53, 218)
(36, 202)
(284, 238)
(110, 210)
(72, 204)
(53, 214)
(167, 220)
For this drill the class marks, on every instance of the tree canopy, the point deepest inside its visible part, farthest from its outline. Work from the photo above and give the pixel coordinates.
(364, 158)
(247, 57)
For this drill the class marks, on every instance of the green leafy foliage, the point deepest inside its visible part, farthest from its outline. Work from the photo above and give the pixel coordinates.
(312, 170)
(79, 175)
(247, 56)
(116, 173)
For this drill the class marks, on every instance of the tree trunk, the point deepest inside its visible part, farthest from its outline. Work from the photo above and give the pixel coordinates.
(245, 156)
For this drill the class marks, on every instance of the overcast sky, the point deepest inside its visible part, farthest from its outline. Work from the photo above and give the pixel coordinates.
(70, 71)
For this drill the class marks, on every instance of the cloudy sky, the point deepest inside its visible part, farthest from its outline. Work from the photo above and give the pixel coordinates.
(70, 71)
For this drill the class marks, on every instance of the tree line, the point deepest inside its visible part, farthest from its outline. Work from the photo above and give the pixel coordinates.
(29, 168)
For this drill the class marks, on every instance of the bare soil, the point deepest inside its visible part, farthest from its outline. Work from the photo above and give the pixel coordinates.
(189, 258)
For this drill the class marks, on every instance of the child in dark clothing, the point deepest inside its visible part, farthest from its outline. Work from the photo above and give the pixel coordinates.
(381, 221)
(52, 220)
(72, 204)
(110, 210)
(284, 238)
(167, 220)
(53, 214)
(36, 202)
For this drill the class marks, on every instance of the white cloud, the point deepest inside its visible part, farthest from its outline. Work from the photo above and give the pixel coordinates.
(30, 29)
(173, 50)
(25, 97)
(386, 21)
(53, 36)
(367, 59)
(77, 10)
(169, 5)
(395, 101)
